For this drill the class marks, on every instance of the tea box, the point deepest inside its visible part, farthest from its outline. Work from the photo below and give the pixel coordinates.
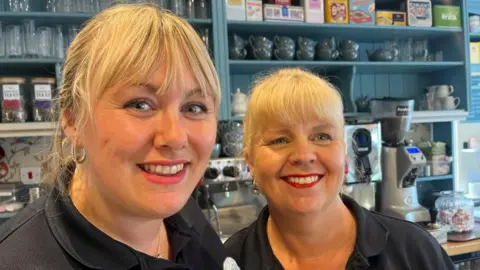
(314, 11)
(283, 13)
(383, 17)
(336, 11)
(236, 10)
(362, 11)
(474, 52)
(446, 16)
(419, 13)
(254, 10)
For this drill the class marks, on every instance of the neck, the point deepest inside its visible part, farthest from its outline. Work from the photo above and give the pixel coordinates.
(307, 236)
(113, 219)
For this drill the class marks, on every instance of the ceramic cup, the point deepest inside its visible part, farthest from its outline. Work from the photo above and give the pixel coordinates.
(450, 103)
(443, 91)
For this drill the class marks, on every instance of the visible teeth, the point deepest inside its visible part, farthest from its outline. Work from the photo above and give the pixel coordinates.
(302, 180)
(162, 170)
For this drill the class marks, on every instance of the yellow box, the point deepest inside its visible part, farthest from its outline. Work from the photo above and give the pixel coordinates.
(475, 52)
(336, 11)
(390, 18)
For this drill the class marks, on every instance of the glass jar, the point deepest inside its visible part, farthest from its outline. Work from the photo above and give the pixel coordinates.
(42, 99)
(13, 100)
(456, 211)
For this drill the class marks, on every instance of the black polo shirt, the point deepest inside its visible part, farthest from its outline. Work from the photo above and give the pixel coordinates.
(51, 234)
(382, 243)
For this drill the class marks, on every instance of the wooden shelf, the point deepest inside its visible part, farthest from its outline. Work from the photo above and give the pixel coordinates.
(434, 178)
(349, 31)
(362, 67)
(26, 129)
(459, 248)
(66, 18)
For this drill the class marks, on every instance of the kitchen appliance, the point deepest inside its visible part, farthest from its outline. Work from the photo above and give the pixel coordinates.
(363, 145)
(401, 161)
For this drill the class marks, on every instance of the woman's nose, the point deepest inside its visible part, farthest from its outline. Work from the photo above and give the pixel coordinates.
(303, 154)
(170, 131)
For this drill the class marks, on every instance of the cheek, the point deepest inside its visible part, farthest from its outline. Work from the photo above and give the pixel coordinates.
(202, 137)
(334, 158)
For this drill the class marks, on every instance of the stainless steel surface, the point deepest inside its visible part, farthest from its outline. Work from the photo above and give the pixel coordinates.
(353, 175)
(395, 116)
(362, 193)
(399, 196)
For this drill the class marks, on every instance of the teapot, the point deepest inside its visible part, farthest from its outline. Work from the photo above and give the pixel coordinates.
(382, 54)
(239, 103)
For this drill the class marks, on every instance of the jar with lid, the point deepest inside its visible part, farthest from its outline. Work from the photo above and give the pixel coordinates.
(13, 97)
(456, 211)
(42, 99)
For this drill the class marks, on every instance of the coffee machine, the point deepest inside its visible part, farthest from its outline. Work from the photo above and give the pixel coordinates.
(363, 146)
(401, 162)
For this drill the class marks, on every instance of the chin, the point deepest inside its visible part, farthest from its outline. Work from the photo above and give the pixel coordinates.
(166, 204)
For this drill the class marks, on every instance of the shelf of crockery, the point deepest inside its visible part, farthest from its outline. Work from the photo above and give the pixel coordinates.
(418, 116)
(66, 18)
(351, 31)
(362, 67)
(8, 130)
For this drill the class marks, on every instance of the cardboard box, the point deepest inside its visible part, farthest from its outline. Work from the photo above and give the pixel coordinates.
(236, 10)
(254, 10)
(383, 17)
(283, 13)
(314, 11)
(446, 16)
(362, 11)
(475, 52)
(336, 11)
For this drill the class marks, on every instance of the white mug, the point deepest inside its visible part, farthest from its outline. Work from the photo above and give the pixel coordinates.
(444, 91)
(450, 103)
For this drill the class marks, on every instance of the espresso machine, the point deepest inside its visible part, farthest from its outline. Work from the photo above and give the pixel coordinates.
(401, 161)
(363, 145)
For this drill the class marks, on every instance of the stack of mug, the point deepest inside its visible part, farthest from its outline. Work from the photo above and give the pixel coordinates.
(439, 97)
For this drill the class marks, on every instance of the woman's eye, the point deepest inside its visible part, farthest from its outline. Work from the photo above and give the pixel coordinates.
(323, 137)
(139, 105)
(279, 141)
(195, 108)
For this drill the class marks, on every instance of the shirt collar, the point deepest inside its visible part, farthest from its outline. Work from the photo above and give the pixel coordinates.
(93, 248)
(371, 237)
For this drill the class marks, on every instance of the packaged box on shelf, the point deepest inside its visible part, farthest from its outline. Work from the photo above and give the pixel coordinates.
(419, 13)
(254, 10)
(282, 2)
(283, 13)
(474, 52)
(383, 17)
(446, 16)
(336, 11)
(314, 11)
(362, 11)
(236, 10)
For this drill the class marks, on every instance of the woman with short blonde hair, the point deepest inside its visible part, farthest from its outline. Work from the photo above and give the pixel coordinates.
(138, 118)
(295, 149)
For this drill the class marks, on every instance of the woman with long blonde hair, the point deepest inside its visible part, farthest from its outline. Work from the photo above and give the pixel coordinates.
(138, 120)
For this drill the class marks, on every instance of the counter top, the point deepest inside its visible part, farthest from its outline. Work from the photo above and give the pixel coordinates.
(458, 248)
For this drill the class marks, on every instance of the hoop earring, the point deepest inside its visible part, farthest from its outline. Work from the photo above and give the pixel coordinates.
(79, 158)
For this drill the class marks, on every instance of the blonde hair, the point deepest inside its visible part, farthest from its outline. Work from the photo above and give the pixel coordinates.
(290, 96)
(123, 46)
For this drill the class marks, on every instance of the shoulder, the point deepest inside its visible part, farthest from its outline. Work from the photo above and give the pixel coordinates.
(407, 238)
(27, 235)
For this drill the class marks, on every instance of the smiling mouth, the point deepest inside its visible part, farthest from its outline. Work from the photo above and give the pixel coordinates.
(303, 181)
(162, 170)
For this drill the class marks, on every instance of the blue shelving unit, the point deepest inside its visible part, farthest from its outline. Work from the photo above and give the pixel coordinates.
(435, 177)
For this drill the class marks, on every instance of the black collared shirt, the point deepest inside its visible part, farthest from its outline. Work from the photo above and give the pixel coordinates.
(51, 234)
(382, 243)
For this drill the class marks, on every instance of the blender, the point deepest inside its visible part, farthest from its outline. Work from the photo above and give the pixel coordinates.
(401, 161)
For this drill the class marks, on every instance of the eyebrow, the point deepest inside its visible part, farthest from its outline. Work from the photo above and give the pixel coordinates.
(189, 93)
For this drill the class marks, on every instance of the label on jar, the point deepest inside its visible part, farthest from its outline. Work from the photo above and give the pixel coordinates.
(43, 92)
(11, 92)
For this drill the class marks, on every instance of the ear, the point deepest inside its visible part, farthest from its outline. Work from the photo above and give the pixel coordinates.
(68, 125)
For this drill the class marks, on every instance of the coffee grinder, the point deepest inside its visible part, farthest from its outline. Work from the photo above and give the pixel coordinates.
(401, 162)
